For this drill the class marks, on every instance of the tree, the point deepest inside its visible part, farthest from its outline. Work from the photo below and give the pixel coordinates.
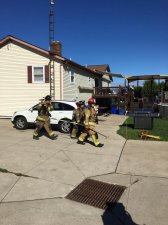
(138, 92)
(150, 87)
(166, 85)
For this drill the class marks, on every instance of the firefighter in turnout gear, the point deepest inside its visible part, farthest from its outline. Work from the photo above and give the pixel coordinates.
(89, 122)
(78, 119)
(43, 119)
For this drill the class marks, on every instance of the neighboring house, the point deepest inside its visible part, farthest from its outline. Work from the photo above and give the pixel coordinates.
(24, 76)
(106, 80)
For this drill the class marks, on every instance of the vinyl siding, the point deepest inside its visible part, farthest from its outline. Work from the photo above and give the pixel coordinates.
(71, 91)
(15, 91)
(57, 80)
(105, 81)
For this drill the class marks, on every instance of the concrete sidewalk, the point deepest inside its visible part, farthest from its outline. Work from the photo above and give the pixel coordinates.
(54, 168)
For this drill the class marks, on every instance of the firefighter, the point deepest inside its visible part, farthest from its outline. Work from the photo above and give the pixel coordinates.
(89, 122)
(43, 119)
(78, 118)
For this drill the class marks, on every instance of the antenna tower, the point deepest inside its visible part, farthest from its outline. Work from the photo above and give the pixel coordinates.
(51, 39)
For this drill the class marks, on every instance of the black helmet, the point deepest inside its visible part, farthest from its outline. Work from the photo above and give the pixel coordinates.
(47, 98)
(77, 103)
(81, 102)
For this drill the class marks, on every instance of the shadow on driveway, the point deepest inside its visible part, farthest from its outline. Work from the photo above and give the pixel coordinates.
(115, 214)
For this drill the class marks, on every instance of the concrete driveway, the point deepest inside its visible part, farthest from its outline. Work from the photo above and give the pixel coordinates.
(43, 172)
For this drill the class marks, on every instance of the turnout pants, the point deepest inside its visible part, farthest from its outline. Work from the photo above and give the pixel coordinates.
(77, 130)
(91, 133)
(40, 125)
(74, 131)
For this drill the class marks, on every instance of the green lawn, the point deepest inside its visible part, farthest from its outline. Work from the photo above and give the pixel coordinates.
(160, 128)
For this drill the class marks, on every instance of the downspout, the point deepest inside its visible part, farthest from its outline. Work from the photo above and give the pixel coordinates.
(61, 86)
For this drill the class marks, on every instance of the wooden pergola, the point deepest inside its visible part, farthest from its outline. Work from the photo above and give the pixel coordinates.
(146, 77)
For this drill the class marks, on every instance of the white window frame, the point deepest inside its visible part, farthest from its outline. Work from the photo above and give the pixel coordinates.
(89, 81)
(70, 76)
(38, 82)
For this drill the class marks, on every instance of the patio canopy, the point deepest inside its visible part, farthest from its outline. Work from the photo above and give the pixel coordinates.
(145, 77)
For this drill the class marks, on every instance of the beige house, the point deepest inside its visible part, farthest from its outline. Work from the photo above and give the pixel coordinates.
(24, 76)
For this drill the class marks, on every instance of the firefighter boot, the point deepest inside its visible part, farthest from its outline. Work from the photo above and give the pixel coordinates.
(72, 137)
(99, 145)
(96, 141)
(80, 141)
(35, 137)
(53, 136)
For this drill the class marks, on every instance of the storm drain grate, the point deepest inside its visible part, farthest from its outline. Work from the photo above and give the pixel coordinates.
(96, 193)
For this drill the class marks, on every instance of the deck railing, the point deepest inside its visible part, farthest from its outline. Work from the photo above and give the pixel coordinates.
(109, 91)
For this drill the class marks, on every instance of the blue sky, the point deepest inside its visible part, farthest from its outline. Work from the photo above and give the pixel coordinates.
(129, 35)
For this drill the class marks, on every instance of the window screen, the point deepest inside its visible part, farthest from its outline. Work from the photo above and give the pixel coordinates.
(38, 73)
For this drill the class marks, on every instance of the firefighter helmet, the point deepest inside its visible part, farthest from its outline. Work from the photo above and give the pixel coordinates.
(81, 102)
(91, 101)
(47, 98)
(77, 103)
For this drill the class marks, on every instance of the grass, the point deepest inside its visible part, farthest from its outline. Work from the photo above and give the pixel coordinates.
(160, 128)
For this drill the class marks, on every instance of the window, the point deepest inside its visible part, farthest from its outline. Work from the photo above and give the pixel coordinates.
(35, 108)
(72, 76)
(59, 106)
(38, 74)
(67, 107)
(89, 81)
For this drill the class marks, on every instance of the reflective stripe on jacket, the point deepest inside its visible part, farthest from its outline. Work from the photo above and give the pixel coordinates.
(90, 117)
(43, 118)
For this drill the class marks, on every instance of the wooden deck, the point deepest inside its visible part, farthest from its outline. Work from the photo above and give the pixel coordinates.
(109, 92)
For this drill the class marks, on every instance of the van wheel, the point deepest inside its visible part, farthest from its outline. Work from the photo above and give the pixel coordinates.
(65, 126)
(21, 123)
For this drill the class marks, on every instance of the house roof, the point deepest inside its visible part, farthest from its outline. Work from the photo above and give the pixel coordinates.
(103, 67)
(105, 70)
(64, 60)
